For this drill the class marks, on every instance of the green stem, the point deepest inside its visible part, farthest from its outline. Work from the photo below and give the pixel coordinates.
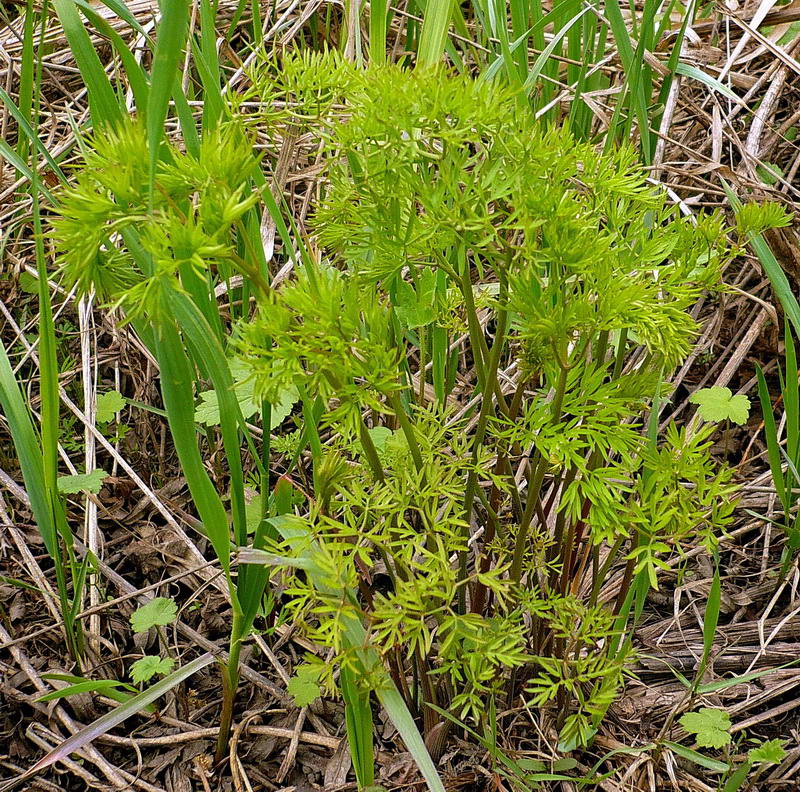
(407, 428)
(477, 341)
(490, 382)
(620, 358)
(423, 354)
(370, 452)
(535, 485)
(230, 682)
(604, 570)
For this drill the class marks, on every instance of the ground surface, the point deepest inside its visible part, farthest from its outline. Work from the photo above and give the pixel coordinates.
(140, 523)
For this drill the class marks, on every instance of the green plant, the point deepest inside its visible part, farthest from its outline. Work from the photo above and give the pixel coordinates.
(169, 250)
(448, 212)
(719, 404)
(166, 250)
(711, 728)
(137, 703)
(159, 612)
(510, 41)
(761, 756)
(38, 450)
(38, 458)
(156, 613)
(784, 458)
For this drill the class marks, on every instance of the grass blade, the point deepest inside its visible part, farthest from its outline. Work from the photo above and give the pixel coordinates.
(177, 380)
(707, 79)
(27, 132)
(133, 70)
(777, 276)
(29, 452)
(544, 57)
(206, 346)
(103, 104)
(791, 398)
(771, 434)
(172, 33)
(119, 714)
(697, 758)
(378, 13)
(207, 60)
(88, 686)
(358, 721)
(710, 622)
(433, 36)
(13, 158)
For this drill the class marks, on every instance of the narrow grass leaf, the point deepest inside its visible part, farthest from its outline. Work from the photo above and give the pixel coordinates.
(207, 347)
(88, 686)
(775, 273)
(171, 38)
(378, 13)
(791, 398)
(207, 60)
(358, 721)
(29, 453)
(103, 102)
(698, 74)
(26, 74)
(724, 684)
(771, 435)
(177, 378)
(122, 11)
(544, 57)
(710, 622)
(737, 778)
(27, 130)
(697, 758)
(435, 23)
(13, 158)
(111, 719)
(402, 720)
(137, 77)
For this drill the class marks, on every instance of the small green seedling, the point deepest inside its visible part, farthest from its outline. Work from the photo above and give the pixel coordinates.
(159, 612)
(107, 406)
(719, 404)
(145, 668)
(304, 686)
(82, 482)
(711, 727)
(770, 752)
(784, 457)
